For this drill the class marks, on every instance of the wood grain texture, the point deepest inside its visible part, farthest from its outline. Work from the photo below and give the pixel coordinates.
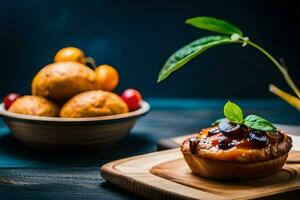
(63, 183)
(286, 180)
(165, 175)
(81, 134)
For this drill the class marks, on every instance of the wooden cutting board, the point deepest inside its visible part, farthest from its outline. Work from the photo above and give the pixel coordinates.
(165, 175)
(175, 142)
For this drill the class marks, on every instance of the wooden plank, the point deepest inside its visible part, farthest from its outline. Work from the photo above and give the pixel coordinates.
(165, 175)
(63, 183)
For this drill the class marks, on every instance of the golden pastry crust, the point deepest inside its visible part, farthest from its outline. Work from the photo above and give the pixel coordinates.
(34, 105)
(241, 154)
(63, 80)
(93, 104)
(226, 170)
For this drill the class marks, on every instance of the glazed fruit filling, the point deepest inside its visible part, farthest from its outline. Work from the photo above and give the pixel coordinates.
(228, 135)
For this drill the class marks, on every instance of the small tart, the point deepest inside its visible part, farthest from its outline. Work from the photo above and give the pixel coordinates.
(242, 159)
(240, 152)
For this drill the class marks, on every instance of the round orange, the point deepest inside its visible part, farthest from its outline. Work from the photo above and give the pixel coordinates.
(107, 77)
(70, 54)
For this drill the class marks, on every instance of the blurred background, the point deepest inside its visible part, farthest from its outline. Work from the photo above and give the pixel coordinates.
(138, 36)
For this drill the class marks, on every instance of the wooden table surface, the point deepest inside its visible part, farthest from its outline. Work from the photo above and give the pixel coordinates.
(31, 174)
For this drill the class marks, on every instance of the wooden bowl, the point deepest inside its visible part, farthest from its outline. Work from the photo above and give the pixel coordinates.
(54, 133)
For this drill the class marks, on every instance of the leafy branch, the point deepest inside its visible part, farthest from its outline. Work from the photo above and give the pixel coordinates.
(230, 35)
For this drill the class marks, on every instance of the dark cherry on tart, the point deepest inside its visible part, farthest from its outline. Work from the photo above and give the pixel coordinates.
(235, 151)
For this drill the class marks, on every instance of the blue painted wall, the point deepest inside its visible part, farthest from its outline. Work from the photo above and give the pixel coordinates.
(138, 36)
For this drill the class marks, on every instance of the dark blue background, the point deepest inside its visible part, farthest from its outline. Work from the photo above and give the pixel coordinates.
(138, 36)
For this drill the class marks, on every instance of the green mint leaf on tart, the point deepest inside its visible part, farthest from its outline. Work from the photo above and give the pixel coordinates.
(258, 123)
(215, 25)
(233, 112)
(190, 51)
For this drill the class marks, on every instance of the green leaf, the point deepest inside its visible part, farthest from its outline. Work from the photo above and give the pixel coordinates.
(188, 52)
(213, 24)
(233, 112)
(259, 123)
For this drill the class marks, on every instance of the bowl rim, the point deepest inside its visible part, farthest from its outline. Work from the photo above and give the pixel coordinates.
(144, 109)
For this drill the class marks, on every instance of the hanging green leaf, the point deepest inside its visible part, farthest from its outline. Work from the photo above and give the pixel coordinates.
(235, 35)
(188, 52)
(215, 25)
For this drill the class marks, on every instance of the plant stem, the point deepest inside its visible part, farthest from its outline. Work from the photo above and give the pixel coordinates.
(285, 96)
(279, 66)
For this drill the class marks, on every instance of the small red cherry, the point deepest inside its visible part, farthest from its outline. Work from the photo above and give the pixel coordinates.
(132, 98)
(9, 99)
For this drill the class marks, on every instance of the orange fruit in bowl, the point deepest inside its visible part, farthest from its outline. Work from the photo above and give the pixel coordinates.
(107, 77)
(70, 54)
